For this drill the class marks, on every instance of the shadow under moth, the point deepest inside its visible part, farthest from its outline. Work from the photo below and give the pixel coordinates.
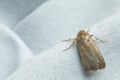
(90, 54)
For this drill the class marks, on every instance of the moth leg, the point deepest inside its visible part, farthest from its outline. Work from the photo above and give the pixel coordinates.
(71, 39)
(100, 39)
(96, 38)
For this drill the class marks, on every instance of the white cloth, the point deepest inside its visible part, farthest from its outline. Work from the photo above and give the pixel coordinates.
(13, 52)
(32, 50)
(13, 11)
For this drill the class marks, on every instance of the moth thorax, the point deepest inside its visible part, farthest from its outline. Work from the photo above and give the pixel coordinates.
(81, 38)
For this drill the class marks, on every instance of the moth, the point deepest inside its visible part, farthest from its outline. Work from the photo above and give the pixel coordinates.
(90, 54)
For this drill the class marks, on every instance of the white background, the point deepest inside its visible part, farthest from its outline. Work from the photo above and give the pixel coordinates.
(31, 33)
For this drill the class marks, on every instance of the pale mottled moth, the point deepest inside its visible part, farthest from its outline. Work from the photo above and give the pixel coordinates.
(90, 54)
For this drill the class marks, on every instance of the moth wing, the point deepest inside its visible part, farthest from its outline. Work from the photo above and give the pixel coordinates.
(91, 57)
(97, 54)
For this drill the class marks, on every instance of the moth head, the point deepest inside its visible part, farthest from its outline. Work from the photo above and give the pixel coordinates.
(83, 33)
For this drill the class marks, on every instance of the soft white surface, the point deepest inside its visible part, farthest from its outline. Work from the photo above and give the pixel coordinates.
(13, 52)
(54, 64)
(13, 11)
(60, 19)
(41, 32)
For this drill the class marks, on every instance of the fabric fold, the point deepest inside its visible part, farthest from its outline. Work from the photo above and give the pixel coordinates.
(55, 64)
(13, 52)
(56, 20)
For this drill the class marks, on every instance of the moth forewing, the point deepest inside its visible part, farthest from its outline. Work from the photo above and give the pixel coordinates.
(90, 54)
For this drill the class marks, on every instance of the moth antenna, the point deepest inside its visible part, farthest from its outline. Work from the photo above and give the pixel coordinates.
(88, 29)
